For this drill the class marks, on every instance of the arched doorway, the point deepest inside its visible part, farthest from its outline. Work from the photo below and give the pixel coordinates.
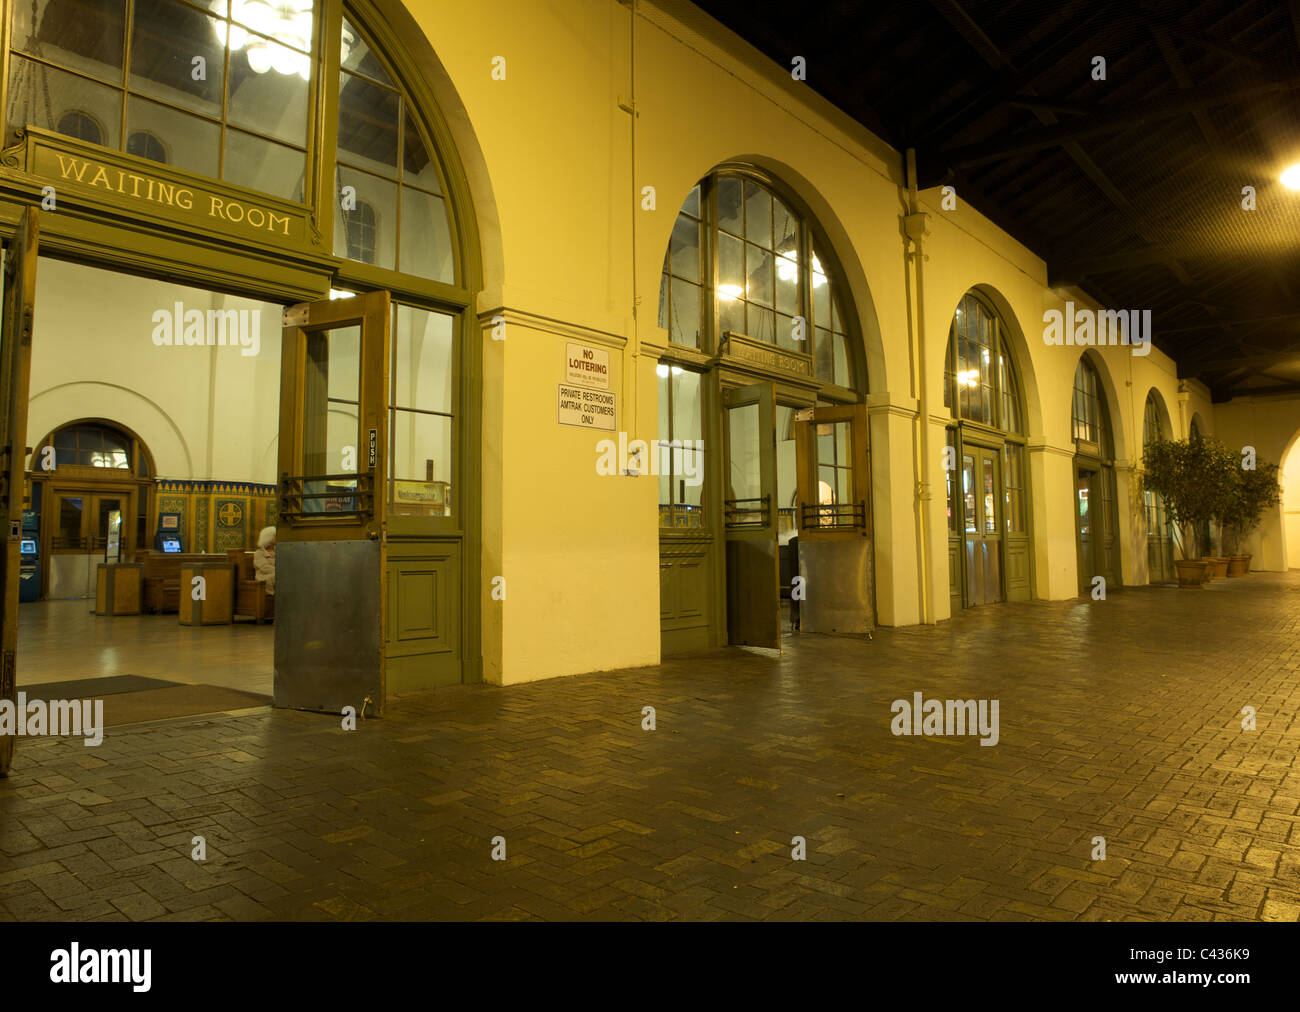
(987, 481)
(91, 478)
(1160, 529)
(1096, 518)
(310, 162)
(764, 361)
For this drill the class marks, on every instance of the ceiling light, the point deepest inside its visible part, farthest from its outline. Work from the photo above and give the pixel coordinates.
(1291, 177)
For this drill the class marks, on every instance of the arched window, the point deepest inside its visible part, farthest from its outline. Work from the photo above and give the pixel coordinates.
(90, 444)
(774, 281)
(386, 171)
(1160, 533)
(143, 144)
(82, 126)
(250, 116)
(1089, 417)
(986, 479)
(1151, 427)
(1096, 517)
(979, 376)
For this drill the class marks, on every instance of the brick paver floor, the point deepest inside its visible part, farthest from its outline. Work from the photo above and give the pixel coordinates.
(1119, 719)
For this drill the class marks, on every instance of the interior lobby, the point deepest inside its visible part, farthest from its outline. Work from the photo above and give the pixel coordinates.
(582, 423)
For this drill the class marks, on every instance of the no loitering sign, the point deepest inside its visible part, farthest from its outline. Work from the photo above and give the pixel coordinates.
(586, 366)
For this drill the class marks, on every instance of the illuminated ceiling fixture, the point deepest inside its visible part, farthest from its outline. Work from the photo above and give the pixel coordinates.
(288, 22)
(1291, 177)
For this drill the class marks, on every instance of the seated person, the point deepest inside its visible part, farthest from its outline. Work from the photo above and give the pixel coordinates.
(264, 559)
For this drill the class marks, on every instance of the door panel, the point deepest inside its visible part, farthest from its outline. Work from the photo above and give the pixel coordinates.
(835, 546)
(1085, 502)
(750, 517)
(330, 560)
(15, 373)
(982, 524)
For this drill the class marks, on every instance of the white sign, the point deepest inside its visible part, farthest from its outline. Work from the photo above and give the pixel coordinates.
(588, 367)
(591, 409)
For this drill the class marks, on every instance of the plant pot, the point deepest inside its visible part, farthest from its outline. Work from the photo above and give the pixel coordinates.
(1191, 572)
(1238, 565)
(1216, 567)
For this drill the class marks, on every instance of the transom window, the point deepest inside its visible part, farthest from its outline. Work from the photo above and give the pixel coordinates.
(225, 81)
(393, 214)
(979, 378)
(1089, 419)
(91, 445)
(1151, 427)
(228, 89)
(769, 280)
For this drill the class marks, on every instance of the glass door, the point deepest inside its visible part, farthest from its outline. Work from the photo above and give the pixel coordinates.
(750, 516)
(835, 520)
(981, 483)
(330, 551)
(1085, 503)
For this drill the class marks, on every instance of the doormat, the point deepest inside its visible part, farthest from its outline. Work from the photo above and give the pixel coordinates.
(133, 699)
(176, 701)
(93, 688)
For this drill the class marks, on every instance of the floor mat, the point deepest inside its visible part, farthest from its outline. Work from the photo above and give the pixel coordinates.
(176, 701)
(93, 688)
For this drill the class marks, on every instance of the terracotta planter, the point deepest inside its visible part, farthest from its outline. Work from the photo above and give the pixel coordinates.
(1191, 572)
(1238, 565)
(1216, 567)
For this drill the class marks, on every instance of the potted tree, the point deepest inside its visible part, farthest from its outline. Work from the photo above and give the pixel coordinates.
(1196, 478)
(1256, 489)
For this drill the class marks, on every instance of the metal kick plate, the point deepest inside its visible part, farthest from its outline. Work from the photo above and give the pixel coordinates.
(327, 625)
(841, 594)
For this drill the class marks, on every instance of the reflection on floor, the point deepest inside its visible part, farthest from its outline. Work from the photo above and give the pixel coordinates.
(61, 641)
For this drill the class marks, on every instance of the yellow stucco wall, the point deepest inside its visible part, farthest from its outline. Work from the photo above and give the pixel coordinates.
(571, 256)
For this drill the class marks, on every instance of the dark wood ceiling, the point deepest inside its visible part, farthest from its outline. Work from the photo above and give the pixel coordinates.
(1130, 187)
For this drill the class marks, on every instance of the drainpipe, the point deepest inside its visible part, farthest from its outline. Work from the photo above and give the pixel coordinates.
(915, 230)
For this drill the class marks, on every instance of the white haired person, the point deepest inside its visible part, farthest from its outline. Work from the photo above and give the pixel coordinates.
(264, 559)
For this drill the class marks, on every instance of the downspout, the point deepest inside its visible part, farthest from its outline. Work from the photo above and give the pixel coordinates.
(915, 230)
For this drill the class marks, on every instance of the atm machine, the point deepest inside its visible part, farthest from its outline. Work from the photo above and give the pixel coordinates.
(168, 536)
(29, 565)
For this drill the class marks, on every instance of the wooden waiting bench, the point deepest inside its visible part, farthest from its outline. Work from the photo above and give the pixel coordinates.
(160, 577)
(251, 599)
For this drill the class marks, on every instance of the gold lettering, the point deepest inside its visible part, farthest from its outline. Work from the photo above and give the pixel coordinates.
(185, 199)
(167, 192)
(261, 217)
(65, 168)
(278, 219)
(101, 173)
(230, 212)
(135, 190)
(214, 210)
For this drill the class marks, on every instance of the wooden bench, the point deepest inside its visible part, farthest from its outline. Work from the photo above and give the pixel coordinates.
(160, 577)
(251, 599)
